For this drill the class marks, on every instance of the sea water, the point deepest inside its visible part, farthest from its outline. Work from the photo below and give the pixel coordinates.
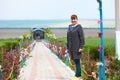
(52, 23)
(30, 23)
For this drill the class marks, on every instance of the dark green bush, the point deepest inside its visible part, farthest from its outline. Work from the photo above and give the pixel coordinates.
(9, 43)
(0, 58)
(94, 43)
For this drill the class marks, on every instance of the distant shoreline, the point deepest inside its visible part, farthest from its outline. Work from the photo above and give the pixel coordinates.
(55, 28)
(52, 19)
(59, 32)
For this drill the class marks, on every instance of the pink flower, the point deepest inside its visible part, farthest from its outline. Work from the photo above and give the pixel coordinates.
(99, 21)
(100, 49)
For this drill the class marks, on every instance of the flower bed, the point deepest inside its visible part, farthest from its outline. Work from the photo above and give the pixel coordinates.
(10, 54)
(90, 57)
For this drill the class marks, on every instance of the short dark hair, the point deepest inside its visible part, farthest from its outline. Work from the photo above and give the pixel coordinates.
(74, 16)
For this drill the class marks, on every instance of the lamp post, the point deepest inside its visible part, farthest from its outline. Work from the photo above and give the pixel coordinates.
(101, 67)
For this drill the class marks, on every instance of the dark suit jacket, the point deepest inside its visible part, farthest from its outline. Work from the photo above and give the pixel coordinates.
(75, 38)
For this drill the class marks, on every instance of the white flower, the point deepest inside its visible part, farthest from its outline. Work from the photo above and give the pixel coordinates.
(0, 66)
(99, 64)
(25, 49)
(66, 51)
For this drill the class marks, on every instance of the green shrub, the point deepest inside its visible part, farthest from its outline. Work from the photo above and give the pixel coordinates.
(0, 58)
(94, 43)
(110, 46)
(10, 43)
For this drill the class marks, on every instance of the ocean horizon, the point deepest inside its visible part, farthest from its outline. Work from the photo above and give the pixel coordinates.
(22, 24)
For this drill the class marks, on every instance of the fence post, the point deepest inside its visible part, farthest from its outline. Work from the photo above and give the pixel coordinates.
(88, 54)
(2, 55)
(0, 73)
(32, 36)
(20, 45)
(2, 64)
(22, 62)
(67, 60)
(11, 49)
(89, 58)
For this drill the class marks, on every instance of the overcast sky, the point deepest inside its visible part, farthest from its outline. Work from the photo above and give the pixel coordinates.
(54, 9)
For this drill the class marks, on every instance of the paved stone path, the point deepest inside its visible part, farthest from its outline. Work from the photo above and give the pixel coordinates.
(44, 65)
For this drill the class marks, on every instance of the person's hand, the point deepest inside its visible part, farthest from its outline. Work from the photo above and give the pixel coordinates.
(80, 50)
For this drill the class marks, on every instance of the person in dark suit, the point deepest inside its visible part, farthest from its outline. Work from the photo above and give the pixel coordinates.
(75, 43)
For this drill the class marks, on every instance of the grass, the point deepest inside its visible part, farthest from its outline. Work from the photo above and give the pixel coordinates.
(109, 44)
(93, 43)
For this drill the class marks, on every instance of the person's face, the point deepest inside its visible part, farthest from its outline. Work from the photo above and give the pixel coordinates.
(74, 21)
